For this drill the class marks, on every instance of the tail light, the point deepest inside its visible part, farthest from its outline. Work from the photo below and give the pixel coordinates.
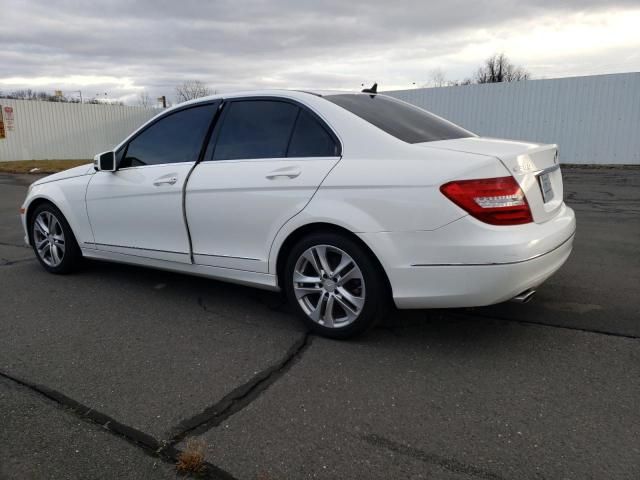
(498, 201)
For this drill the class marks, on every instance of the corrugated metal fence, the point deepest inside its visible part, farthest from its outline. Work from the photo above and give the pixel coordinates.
(48, 130)
(593, 119)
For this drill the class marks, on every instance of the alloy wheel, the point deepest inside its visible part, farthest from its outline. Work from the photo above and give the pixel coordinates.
(329, 286)
(48, 238)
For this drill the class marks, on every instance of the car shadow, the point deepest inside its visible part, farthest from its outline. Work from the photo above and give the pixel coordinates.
(438, 325)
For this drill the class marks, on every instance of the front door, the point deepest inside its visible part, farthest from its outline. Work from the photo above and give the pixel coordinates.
(137, 210)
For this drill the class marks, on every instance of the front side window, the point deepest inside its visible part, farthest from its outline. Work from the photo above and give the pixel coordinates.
(175, 138)
(255, 129)
(405, 122)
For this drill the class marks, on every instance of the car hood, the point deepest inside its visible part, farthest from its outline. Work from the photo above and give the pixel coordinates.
(70, 173)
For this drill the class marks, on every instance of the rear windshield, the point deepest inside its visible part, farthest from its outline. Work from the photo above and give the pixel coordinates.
(406, 122)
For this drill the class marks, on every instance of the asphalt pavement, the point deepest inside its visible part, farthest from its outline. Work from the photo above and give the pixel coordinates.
(107, 373)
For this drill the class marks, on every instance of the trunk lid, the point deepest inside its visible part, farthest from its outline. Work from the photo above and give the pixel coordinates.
(534, 166)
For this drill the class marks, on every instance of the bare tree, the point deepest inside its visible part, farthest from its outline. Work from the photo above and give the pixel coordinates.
(144, 100)
(191, 89)
(437, 78)
(497, 68)
(26, 94)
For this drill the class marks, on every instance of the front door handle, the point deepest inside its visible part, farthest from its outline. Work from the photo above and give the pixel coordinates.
(165, 181)
(289, 172)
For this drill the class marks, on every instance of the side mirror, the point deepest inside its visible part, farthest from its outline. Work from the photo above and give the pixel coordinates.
(105, 162)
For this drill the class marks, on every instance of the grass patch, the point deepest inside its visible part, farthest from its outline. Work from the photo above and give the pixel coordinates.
(191, 459)
(43, 166)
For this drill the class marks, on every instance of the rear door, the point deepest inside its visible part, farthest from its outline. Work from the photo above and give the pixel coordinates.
(137, 210)
(266, 158)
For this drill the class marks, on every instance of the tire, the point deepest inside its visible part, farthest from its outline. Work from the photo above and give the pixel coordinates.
(354, 289)
(59, 252)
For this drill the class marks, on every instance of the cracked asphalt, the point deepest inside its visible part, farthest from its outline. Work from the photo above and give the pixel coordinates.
(106, 373)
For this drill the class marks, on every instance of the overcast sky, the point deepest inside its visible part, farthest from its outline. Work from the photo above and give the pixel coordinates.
(122, 47)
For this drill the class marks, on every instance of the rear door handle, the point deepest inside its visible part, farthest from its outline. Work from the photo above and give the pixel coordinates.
(289, 172)
(165, 181)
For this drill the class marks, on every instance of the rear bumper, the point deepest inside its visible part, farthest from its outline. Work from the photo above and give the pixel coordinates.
(476, 285)
(469, 265)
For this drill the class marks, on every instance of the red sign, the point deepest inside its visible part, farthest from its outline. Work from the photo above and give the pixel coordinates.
(8, 118)
(2, 134)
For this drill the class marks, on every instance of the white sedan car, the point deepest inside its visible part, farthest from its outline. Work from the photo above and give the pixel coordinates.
(346, 201)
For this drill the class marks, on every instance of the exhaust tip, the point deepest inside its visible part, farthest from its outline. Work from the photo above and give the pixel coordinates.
(524, 297)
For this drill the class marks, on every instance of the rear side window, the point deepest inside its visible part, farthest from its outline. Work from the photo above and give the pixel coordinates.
(255, 129)
(311, 139)
(405, 122)
(175, 138)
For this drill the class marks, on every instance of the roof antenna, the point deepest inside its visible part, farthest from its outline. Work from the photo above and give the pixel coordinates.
(373, 89)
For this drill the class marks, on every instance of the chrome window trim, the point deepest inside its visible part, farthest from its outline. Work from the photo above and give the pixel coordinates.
(269, 159)
(124, 169)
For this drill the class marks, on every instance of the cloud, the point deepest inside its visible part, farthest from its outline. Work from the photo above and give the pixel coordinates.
(122, 47)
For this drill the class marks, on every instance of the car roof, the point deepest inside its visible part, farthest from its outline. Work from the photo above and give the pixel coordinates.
(267, 93)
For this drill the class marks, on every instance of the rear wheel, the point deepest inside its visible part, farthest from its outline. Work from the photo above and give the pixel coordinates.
(53, 241)
(335, 285)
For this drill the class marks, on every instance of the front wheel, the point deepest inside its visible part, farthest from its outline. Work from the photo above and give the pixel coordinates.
(335, 285)
(53, 241)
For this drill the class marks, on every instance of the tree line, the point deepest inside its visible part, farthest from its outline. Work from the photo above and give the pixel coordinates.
(495, 69)
(42, 96)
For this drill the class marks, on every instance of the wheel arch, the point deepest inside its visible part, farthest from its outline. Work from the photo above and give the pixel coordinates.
(31, 208)
(322, 227)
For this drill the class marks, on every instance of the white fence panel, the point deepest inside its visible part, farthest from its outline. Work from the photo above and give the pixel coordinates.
(59, 131)
(593, 119)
